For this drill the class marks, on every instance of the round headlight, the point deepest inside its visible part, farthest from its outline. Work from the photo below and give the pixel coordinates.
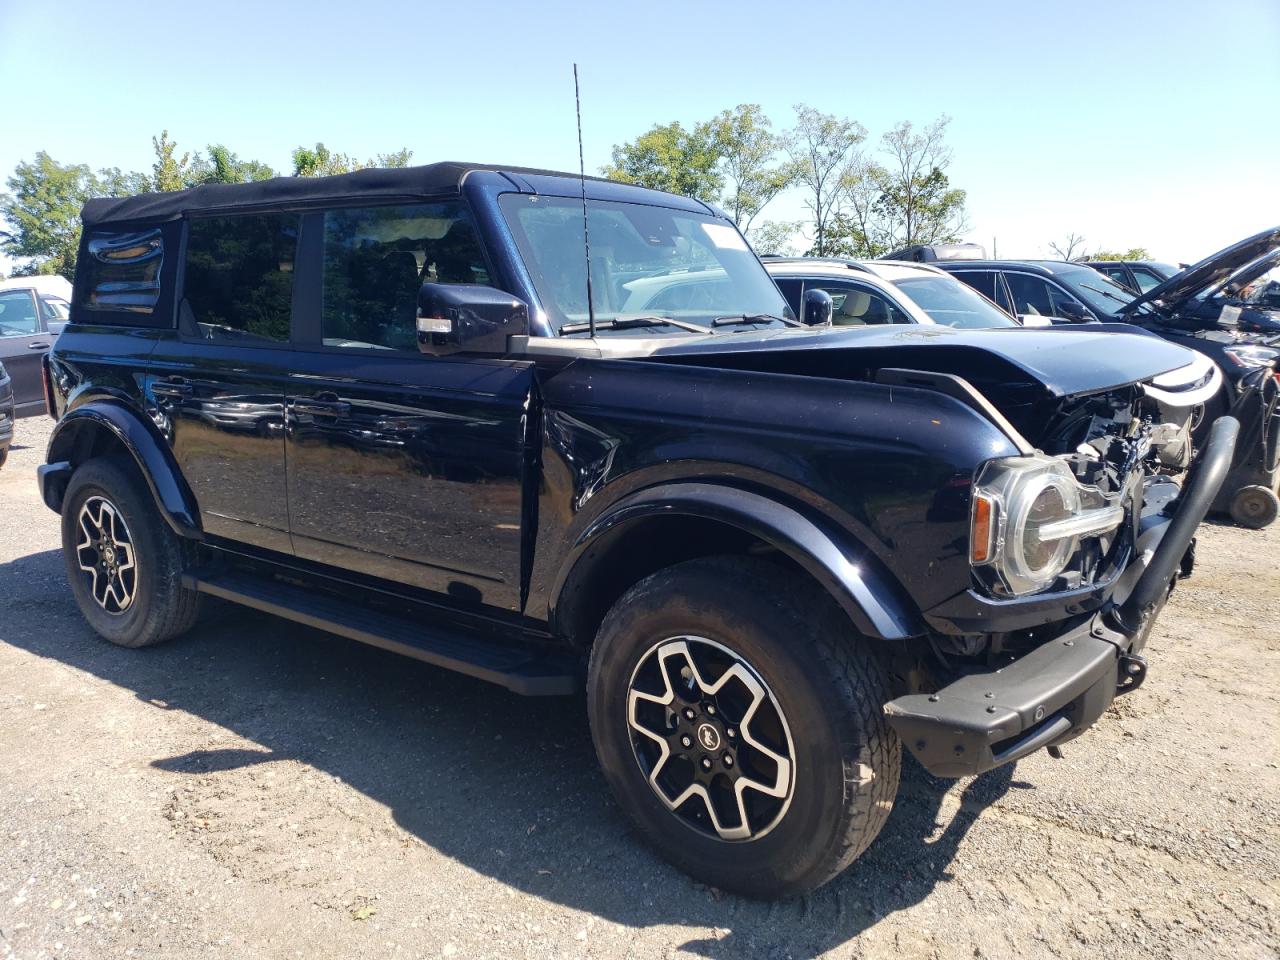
(1034, 558)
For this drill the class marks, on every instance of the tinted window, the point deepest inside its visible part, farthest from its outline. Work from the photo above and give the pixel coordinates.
(790, 288)
(238, 282)
(1119, 274)
(55, 308)
(121, 270)
(1030, 295)
(855, 305)
(18, 314)
(377, 258)
(1146, 279)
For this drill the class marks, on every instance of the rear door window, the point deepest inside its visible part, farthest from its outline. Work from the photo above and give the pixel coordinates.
(238, 281)
(1030, 294)
(1146, 279)
(1120, 275)
(987, 283)
(18, 314)
(376, 260)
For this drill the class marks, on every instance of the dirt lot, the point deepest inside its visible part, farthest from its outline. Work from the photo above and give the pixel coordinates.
(260, 790)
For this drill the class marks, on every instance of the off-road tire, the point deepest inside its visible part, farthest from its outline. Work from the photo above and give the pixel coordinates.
(828, 685)
(161, 607)
(1254, 507)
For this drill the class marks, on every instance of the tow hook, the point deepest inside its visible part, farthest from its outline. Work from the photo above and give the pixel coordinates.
(1133, 670)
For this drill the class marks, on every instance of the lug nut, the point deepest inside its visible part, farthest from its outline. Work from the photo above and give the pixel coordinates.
(711, 709)
(731, 733)
(686, 742)
(688, 713)
(728, 760)
(706, 763)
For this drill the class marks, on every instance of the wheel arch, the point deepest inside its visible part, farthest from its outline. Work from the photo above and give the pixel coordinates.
(103, 428)
(663, 525)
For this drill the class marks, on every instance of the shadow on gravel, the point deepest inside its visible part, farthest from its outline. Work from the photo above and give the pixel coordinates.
(506, 785)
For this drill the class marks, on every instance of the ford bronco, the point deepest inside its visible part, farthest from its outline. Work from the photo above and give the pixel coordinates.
(386, 405)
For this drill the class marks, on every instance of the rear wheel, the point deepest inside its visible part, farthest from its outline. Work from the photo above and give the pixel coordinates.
(1254, 507)
(739, 722)
(124, 563)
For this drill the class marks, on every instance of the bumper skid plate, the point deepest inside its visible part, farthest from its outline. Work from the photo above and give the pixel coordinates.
(984, 720)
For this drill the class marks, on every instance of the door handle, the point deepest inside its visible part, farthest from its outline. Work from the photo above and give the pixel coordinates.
(171, 390)
(37, 346)
(322, 408)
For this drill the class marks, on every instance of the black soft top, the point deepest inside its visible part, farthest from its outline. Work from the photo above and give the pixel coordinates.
(432, 180)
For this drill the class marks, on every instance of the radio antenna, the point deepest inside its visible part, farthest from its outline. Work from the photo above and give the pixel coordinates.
(582, 182)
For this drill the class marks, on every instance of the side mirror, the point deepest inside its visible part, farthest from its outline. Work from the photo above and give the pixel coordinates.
(817, 308)
(1073, 311)
(457, 316)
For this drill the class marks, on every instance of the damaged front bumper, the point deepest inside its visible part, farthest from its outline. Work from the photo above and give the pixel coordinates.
(1055, 692)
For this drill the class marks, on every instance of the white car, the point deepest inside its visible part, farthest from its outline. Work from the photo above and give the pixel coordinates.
(868, 293)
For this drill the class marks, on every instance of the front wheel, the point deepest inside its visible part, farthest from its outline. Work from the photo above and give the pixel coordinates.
(124, 563)
(739, 722)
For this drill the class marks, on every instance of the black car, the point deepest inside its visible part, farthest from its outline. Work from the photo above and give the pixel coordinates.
(1196, 308)
(29, 322)
(6, 414)
(1137, 276)
(386, 404)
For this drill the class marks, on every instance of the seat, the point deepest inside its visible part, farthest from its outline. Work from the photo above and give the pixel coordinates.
(853, 310)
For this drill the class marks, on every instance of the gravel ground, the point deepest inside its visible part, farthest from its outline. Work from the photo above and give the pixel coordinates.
(256, 789)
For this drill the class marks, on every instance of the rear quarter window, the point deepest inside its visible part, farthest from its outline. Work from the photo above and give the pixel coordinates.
(124, 275)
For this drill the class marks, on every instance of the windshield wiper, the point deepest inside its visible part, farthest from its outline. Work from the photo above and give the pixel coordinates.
(1105, 293)
(621, 323)
(753, 318)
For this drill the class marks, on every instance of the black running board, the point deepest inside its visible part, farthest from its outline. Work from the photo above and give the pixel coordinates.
(474, 654)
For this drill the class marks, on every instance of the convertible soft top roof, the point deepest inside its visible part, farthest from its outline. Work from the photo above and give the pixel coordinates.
(431, 180)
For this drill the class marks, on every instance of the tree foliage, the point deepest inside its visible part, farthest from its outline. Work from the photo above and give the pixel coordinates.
(671, 158)
(1133, 253)
(747, 149)
(42, 214)
(825, 150)
(320, 161)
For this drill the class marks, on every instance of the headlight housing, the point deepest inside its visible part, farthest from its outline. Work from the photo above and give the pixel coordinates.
(1251, 355)
(1029, 517)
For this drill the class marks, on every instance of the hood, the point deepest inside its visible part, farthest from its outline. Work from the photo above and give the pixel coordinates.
(1212, 271)
(1059, 362)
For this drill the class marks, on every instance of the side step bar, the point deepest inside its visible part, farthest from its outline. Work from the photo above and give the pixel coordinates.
(519, 670)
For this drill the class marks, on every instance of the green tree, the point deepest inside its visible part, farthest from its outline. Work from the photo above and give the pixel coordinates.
(171, 172)
(670, 158)
(917, 203)
(777, 237)
(823, 149)
(1133, 253)
(42, 214)
(223, 166)
(746, 149)
(320, 161)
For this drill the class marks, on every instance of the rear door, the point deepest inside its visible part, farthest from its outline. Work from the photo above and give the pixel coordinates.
(217, 384)
(403, 466)
(24, 340)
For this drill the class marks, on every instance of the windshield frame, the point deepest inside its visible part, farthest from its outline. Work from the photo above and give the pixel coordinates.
(752, 298)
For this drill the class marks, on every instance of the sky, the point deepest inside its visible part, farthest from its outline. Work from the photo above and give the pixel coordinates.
(1142, 123)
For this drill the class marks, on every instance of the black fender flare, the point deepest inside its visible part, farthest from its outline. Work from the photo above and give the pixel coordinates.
(173, 497)
(873, 600)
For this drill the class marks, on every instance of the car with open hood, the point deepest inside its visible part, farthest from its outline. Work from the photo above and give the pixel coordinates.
(446, 410)
(1200, 308)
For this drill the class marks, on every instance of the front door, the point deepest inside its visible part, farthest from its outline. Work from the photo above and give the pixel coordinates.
(24, 341)
(405, 467)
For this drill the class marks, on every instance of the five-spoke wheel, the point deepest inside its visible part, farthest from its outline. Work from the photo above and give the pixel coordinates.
(710, 738)
(105, 555)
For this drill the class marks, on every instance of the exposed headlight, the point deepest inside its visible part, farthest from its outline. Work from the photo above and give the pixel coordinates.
(1028, 518)
(1251, 355)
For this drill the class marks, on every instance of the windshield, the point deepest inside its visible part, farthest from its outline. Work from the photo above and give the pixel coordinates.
(1100, 293)
(646, 261)
(954, 303)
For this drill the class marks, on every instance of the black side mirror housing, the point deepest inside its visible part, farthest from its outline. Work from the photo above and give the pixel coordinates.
(1073, 311)
(817, 308)
(465, 316)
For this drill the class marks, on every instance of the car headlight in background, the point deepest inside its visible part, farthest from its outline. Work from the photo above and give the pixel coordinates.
(1251, 355)
(1028, 518)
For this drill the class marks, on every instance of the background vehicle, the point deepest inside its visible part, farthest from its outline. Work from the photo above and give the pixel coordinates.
(881, 291)
(931, 252)
(29, 322)
(1194, 309)
(1137, 276)
(769, 550)
(6, 414)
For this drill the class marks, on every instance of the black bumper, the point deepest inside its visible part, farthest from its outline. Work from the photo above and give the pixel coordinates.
(1056, 691)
